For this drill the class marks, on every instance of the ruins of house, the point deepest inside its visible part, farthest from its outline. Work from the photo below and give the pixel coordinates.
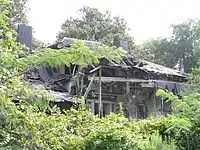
(134, 84)
(104, 86)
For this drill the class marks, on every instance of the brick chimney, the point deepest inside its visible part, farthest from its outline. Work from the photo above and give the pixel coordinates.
(25, 36)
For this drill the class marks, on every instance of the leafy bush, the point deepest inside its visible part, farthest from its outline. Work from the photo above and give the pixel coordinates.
(77, 129)
(156, 142)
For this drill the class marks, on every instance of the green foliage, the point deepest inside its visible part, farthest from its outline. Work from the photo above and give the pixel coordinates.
(184, 127)
(156, 142)
(160, 51)
(19, 10)
(78, 54)
(79, 129)
(186, 35)
(112, 133)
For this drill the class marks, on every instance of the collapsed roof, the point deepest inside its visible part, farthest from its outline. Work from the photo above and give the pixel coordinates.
(144, 70)
(36, 82)
(152, 67)
(128, 63)
(129, 68)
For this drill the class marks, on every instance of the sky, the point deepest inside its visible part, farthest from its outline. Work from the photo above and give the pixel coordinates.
(146, 18)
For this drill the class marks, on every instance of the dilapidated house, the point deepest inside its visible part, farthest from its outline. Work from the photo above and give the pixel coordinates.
(105, 85)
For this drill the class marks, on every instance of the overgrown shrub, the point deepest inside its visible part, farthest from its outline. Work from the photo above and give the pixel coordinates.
(79, 130)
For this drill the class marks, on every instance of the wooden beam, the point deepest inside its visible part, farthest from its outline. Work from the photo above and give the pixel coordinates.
(97, 101)
(127, 87)
(154, 102)
(133, 80)
(82, 84)
(95, 69)
(162, 106)
(109, 94)
(118, 79)
(100, 101)
(89, 86)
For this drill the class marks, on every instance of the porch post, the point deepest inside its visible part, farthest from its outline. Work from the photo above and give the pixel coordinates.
(162, 106)
(100, 101)
(154, 99)
(127, 87)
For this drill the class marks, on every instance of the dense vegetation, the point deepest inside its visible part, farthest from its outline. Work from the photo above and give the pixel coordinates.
(27, 121)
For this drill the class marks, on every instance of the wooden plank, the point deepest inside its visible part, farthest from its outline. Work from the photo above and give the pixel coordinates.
(109, 94)
(100, 102)
(154, 102)
(168, 81)
(118, 79)
(97, 101)
(95, 69)
(89, 86)
(134, 80)
(162, 106)
(127, 87)
(150, 85)
(82, 85)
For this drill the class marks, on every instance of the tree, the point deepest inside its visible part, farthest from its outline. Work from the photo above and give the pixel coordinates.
(17, 14)
(186, 37)
(20, 9)
(96, 26)
(160, 51)
(181, 50)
